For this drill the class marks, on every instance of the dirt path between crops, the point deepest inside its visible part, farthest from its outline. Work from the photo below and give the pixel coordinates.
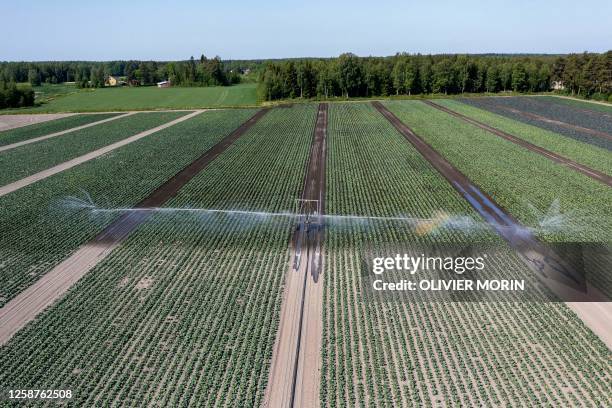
(9, 188)
(29, 303)
(587, 171)
(544, 119)
(296, 359)
(16, 121)
(554, 272)
(63, 132)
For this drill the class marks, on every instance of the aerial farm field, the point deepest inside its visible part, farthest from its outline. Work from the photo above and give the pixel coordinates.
(189, 265)
(148, 98)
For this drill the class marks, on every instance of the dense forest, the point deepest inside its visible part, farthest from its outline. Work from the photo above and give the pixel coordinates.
(201, 72)
(587, 75)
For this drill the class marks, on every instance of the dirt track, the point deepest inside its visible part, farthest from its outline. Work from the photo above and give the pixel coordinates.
(28, 304)
(544, 119)
(587, 171)
(9, 188)
(15, 121)
(296, 360)
(63, 132)
(550, 269)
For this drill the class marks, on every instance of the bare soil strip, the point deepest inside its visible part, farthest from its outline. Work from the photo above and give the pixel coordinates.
(28, 304)
(9, 188)
(63, 132)
(296, 359)
(587, 171)
(550, 269)
(16, 121)
(544, 119)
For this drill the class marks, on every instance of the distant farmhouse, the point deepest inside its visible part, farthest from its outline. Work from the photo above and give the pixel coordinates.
(558, 85)
(164, 84)
(114, 81)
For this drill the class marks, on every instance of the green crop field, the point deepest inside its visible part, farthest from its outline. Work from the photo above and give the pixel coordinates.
(523, 182)
(20, 134)
(595, 106)
(41, 228)
(188, 309)
(391, 352)
(149, 98)
(26, 160)
(595, 157)
(181, 295)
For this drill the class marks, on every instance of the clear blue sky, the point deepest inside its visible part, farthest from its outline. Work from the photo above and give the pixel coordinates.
(236, 29)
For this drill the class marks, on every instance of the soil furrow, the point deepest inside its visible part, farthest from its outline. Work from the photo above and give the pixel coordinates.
(563, 280)
(587, 171)
(296, 358)
(28, 304)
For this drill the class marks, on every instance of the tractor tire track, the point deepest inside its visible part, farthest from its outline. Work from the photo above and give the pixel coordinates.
(296, 359)
(549, 267)
(24, 308)
(587, 171)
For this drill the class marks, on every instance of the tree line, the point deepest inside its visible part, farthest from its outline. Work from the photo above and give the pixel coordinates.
(587, 75)
(202, 72)
(13, 97)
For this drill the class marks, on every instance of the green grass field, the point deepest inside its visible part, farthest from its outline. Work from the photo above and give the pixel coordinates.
(147, 98)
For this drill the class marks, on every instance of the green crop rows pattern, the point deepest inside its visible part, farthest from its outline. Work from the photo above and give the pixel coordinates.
(38, 231)
(26, 160)
(579, 104)
(524, 183)
(389, 352)
(41, 129)
(587, 154)
(363, 148)
(185, 311)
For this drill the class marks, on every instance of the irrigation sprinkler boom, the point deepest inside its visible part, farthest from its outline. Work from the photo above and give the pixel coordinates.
(309, 224)
(308, 228)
